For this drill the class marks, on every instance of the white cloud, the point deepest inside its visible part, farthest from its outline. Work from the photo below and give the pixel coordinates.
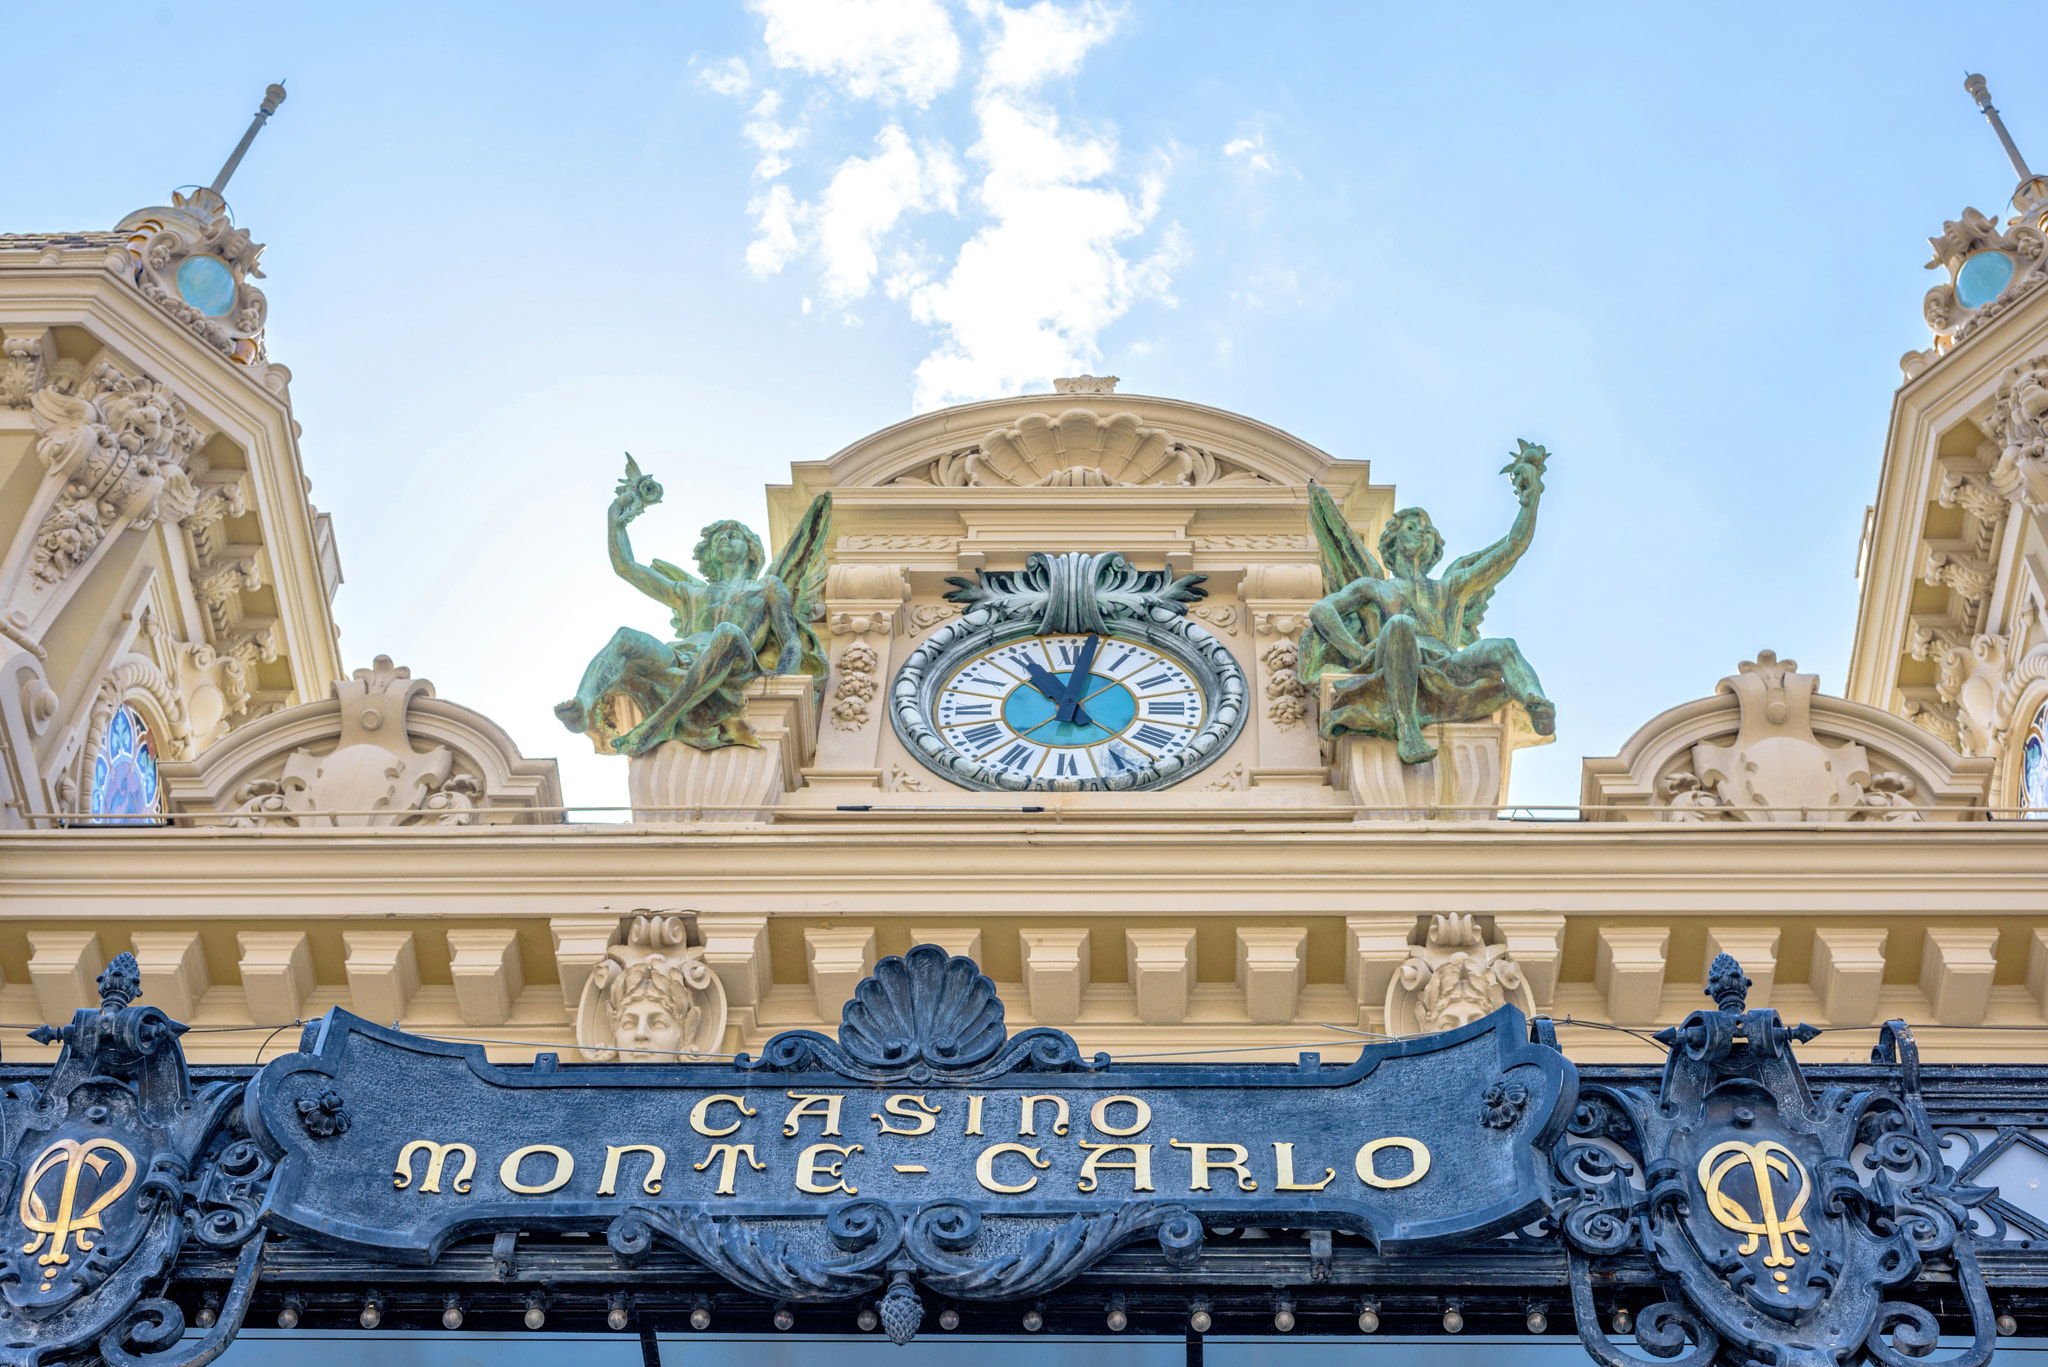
(774, 139)
(729, 77)
(1034, 45)
(1032, 291)
(777, 240)
(881, 50)
(1029, 294)
(869, 197)
(1251, 151)
(866, 198)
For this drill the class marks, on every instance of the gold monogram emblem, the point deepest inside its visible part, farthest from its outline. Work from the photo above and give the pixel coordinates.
(1765, 1157)
(70, 1222)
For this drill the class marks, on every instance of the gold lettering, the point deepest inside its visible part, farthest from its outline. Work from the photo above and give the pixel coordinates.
(1201, 1164)
(1140, 1164)
(565, 1167)
(1028, 1121)
(700, 1114)
(985, 1167)
(974, 1114)
(1099, 1117)
(732, 1154)
(808, 1168)
(1370, 1176)
(437, 1154)
(1764, 1158)
(651, 1184)
(1283, 1163)
(921, 1121)
(804, 1102)
(70, 1222)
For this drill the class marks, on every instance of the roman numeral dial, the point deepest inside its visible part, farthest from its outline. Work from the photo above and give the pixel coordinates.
(1050, 708)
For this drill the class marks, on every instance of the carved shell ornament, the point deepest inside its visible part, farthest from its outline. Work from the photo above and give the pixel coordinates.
(1079, 449)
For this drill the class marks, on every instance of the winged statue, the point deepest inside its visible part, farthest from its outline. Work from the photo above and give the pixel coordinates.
(739, 618)
(1405, 649)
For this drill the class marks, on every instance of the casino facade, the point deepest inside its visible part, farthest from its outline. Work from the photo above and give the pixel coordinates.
(1069, 899)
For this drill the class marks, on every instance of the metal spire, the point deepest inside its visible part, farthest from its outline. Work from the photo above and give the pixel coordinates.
(1975, 85)
(274, 96)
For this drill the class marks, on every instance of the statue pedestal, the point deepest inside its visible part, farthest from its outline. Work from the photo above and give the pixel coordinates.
(1465, 782)
(677, 782)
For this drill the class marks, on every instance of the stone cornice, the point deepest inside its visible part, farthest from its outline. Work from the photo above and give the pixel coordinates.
(883, 866)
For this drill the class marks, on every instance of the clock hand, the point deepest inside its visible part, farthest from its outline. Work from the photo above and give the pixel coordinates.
(1077, 679)
(1055, 692)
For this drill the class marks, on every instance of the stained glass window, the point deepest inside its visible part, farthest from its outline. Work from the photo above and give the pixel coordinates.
(2034, 767)
(124, 772)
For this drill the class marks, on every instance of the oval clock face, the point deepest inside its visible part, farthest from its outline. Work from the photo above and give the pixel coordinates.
(1076, 707)
(1142, 706)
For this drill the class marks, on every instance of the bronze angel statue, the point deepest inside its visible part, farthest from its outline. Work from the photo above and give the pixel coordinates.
(732, 626)
(1407, 647)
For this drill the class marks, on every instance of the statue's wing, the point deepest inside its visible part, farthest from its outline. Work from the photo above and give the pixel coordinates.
(800, 565)
(1343, 551)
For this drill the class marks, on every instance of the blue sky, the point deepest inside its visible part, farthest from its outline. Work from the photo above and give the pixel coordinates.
(1680, 245)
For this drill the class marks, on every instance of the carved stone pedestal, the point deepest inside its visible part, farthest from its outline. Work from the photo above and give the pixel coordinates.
(1465, 782)
(677, 782)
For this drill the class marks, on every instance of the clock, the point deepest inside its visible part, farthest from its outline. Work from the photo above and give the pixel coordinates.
(1134, 705)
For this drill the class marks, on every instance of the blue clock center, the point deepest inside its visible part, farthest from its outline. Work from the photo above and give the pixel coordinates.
(1109, 706)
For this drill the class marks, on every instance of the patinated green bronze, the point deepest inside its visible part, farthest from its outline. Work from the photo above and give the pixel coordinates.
(732, 626)
(1403, 649)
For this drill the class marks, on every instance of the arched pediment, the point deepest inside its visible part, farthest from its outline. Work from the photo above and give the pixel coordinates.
(1768, 746)
(1079, 441)
(379, 750)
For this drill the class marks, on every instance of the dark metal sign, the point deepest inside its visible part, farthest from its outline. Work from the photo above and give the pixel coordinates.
(924, 1141)
(927, 1150)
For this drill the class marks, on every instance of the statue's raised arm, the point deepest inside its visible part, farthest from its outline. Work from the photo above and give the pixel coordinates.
(732, 626)
(635, 494)
(1478, 572)
(1401, 651)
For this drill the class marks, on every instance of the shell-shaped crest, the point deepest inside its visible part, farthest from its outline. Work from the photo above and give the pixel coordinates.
(1077, 449)
(926, 1006)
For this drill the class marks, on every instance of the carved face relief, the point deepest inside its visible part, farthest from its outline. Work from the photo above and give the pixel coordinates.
(1454, 978)
(651, 999)
(648, 1030)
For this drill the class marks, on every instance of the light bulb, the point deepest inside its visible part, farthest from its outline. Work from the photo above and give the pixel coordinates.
(451, 1317)
(700, 1318)
(371, 1316)
(1033, 1321)
(867, 1320)
(535, 1316)
(2007, 1325)
(784, 1319)
(1622, 1323)
(949, 1318)
(1368, 1321)
(288, 1318)
(1199, 1318)
(1538, 1322)
(1454, 1322)
(1283, 1319)
(205, 1318)
(1118, 1321)
(615, 1317)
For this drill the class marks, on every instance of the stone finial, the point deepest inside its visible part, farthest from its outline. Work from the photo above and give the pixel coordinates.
(121, 982)
(1085, 384)
(1727, 984)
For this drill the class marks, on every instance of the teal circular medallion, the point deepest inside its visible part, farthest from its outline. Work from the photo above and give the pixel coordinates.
(206, 283)
(1983, 278)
